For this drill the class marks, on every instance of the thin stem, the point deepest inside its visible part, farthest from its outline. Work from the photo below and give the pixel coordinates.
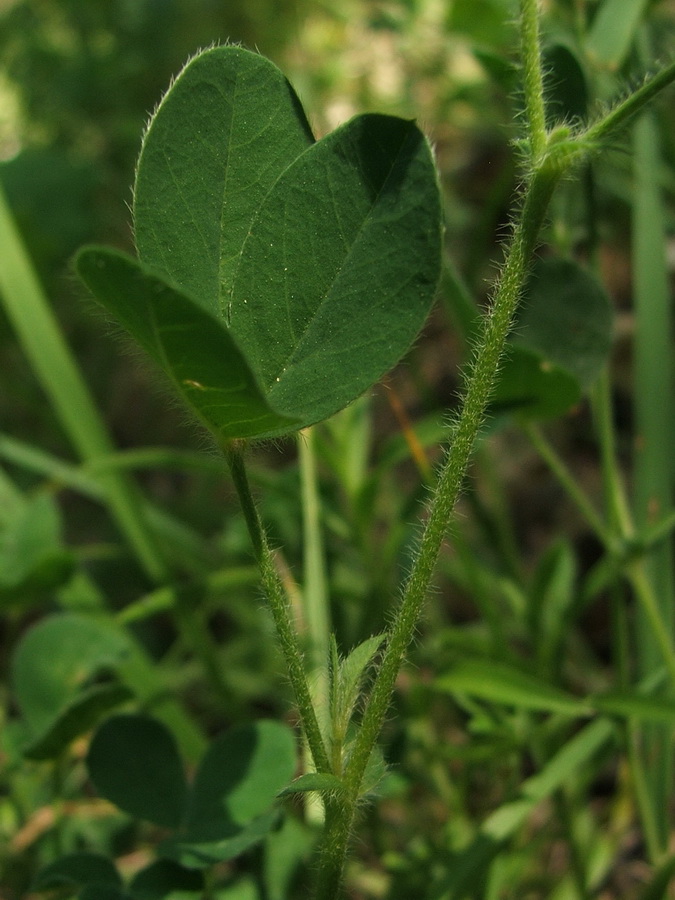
(644, 594)
(533, 80)
(566, 479)
(279, 606)
(599, 133)
(315, 591)
(189, 615)
(314, 599)
(617, 512)
(479, 385)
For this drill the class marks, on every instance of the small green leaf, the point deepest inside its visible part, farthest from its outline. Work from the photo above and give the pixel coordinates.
(566, 317)
(559, 344)
(165, 879)
(54, 670)
(565, 86)
(239, 779)
(133, 761)
(500, 683)
(532, 387)
(103, 892)
(76, 718)
(355, 663)
(78, 870)
(321, 782)
(193, 348)
(32, 556)
(201, 854)
(346, 679)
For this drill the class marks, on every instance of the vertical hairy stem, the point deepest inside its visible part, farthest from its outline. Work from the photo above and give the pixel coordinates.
(533, 81)
(479, 383)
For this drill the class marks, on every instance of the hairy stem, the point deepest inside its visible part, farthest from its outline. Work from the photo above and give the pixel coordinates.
(278, 603)
(533, 80)
(606, 128)
(479, 383)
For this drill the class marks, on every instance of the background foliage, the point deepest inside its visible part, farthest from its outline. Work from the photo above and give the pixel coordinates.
(492, 761)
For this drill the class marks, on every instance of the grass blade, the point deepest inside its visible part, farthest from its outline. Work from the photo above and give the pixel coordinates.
(43, 343)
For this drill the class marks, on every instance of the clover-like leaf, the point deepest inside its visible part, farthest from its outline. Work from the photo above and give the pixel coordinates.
(278, 278)
(133, 761)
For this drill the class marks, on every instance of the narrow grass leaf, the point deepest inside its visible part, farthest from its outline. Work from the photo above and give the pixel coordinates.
(613, 31)
(43, 343)
(500, 683)
(662, 881)
(636, 706)
(469, 868)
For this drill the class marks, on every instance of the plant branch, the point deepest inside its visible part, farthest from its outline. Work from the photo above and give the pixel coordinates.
(606, 128)
(533, 80)
(566, 479)
(279, 606)
(479, 383)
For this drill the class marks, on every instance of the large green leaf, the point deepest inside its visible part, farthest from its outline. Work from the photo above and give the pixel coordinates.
(227, 128)
(279, 278)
